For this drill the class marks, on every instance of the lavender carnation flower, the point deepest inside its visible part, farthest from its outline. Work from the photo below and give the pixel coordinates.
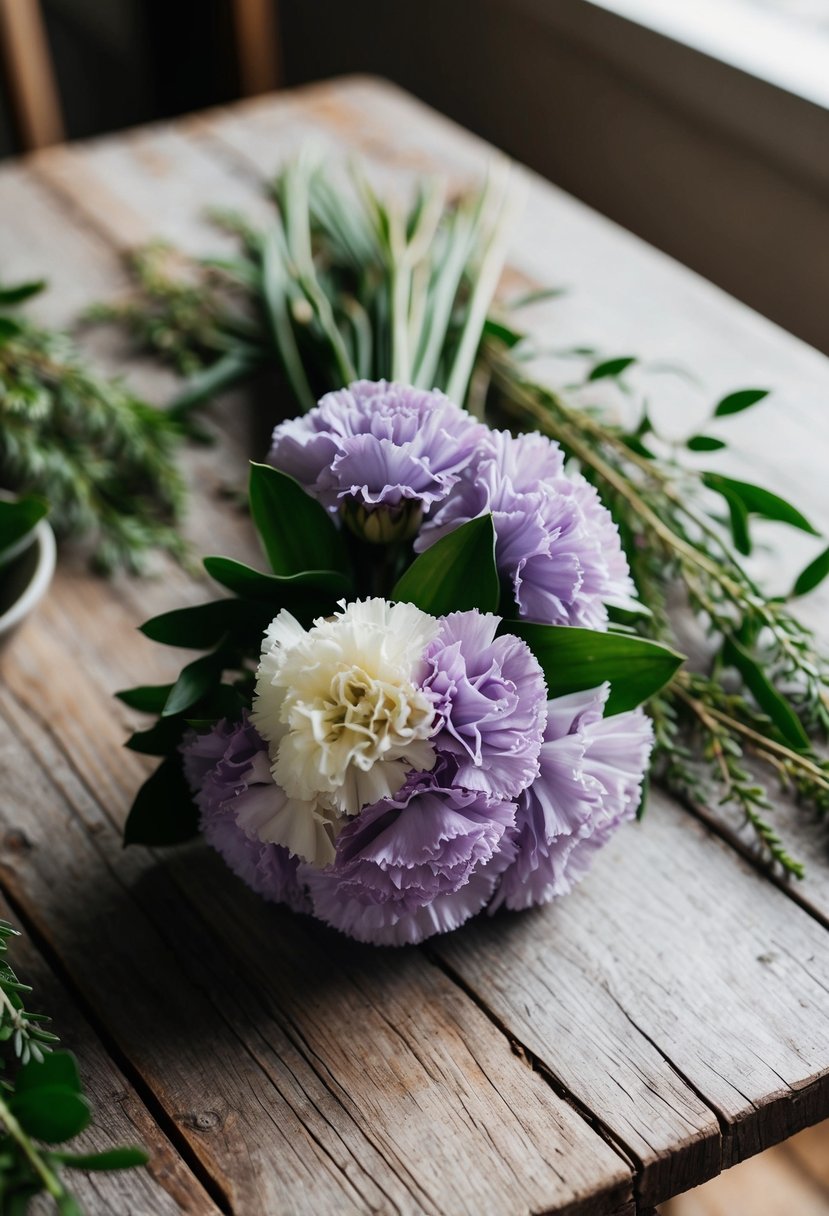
(420, 863)
(483, 791)
(555, 541)
(381, 454)
(590, 781)
(490, 696)
(228, 770)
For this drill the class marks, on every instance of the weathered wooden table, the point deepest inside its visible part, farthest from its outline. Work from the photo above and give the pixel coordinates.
(597, 1056)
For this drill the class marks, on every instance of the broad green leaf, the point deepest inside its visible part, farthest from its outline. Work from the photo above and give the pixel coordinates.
(735, 403)
(148, 698)
(163, 811)
(124, 1158)
(296, 532)
(758, 501)
(10, 296)
(705, 443)
(51, 1113)
(766, 695)
(281, 589)
(194, 682)
(611, 367)
(577, 659)
(457, 573)
(203, 626)
(812, 575)
(47, 1099)
(58, 1068)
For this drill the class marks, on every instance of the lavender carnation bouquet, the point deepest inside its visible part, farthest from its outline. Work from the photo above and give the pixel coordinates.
(434, 718)
(430, 703)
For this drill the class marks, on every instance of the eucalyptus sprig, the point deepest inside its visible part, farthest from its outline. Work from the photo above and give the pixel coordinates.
(42, 1105)
(347, 284)
(103, 459)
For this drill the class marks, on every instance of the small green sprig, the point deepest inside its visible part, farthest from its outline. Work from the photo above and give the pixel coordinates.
(102, 459)
(41, 1106)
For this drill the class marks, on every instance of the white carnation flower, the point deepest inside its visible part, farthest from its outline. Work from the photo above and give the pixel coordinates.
(343, 716)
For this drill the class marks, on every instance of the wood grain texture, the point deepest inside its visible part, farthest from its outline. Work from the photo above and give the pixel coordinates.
(678, 1000)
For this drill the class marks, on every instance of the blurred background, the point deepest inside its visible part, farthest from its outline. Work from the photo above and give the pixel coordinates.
(700, 125)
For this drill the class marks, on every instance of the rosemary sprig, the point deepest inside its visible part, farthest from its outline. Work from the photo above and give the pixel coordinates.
(103, 459)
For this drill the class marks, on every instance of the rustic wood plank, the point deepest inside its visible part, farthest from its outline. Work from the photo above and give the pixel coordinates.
(284, 1113)
(167, 1185)
(672, 951)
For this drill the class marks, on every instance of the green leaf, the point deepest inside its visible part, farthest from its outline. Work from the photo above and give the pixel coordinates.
(611, 367)
(18, 518)
(457, 573)
(58, 1068)
(758, 501)
(280, 589)
(161, 739)
(537, 296)
(735, 403)
(738, 517)
(503, 333)
(125, 1158)
(766, 695)
(296, 532)
(812, 575)
(211, 381)
(705, 443)
(163, 811)
(10, 296)
(147, 698)
(203, 626)
(47, 1100)
(68, 1205)
(577, 659)
(9, 328)
(194, 682)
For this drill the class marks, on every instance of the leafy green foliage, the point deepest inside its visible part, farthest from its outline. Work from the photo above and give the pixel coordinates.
(458, 572)
(576, 659)
(42, 1103)
(103, 459)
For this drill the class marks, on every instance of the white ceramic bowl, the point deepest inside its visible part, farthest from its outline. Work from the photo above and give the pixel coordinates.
(24, 580)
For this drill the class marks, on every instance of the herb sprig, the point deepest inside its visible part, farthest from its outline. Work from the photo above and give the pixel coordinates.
(43, 1105)
(345, 284)
(103, 459)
